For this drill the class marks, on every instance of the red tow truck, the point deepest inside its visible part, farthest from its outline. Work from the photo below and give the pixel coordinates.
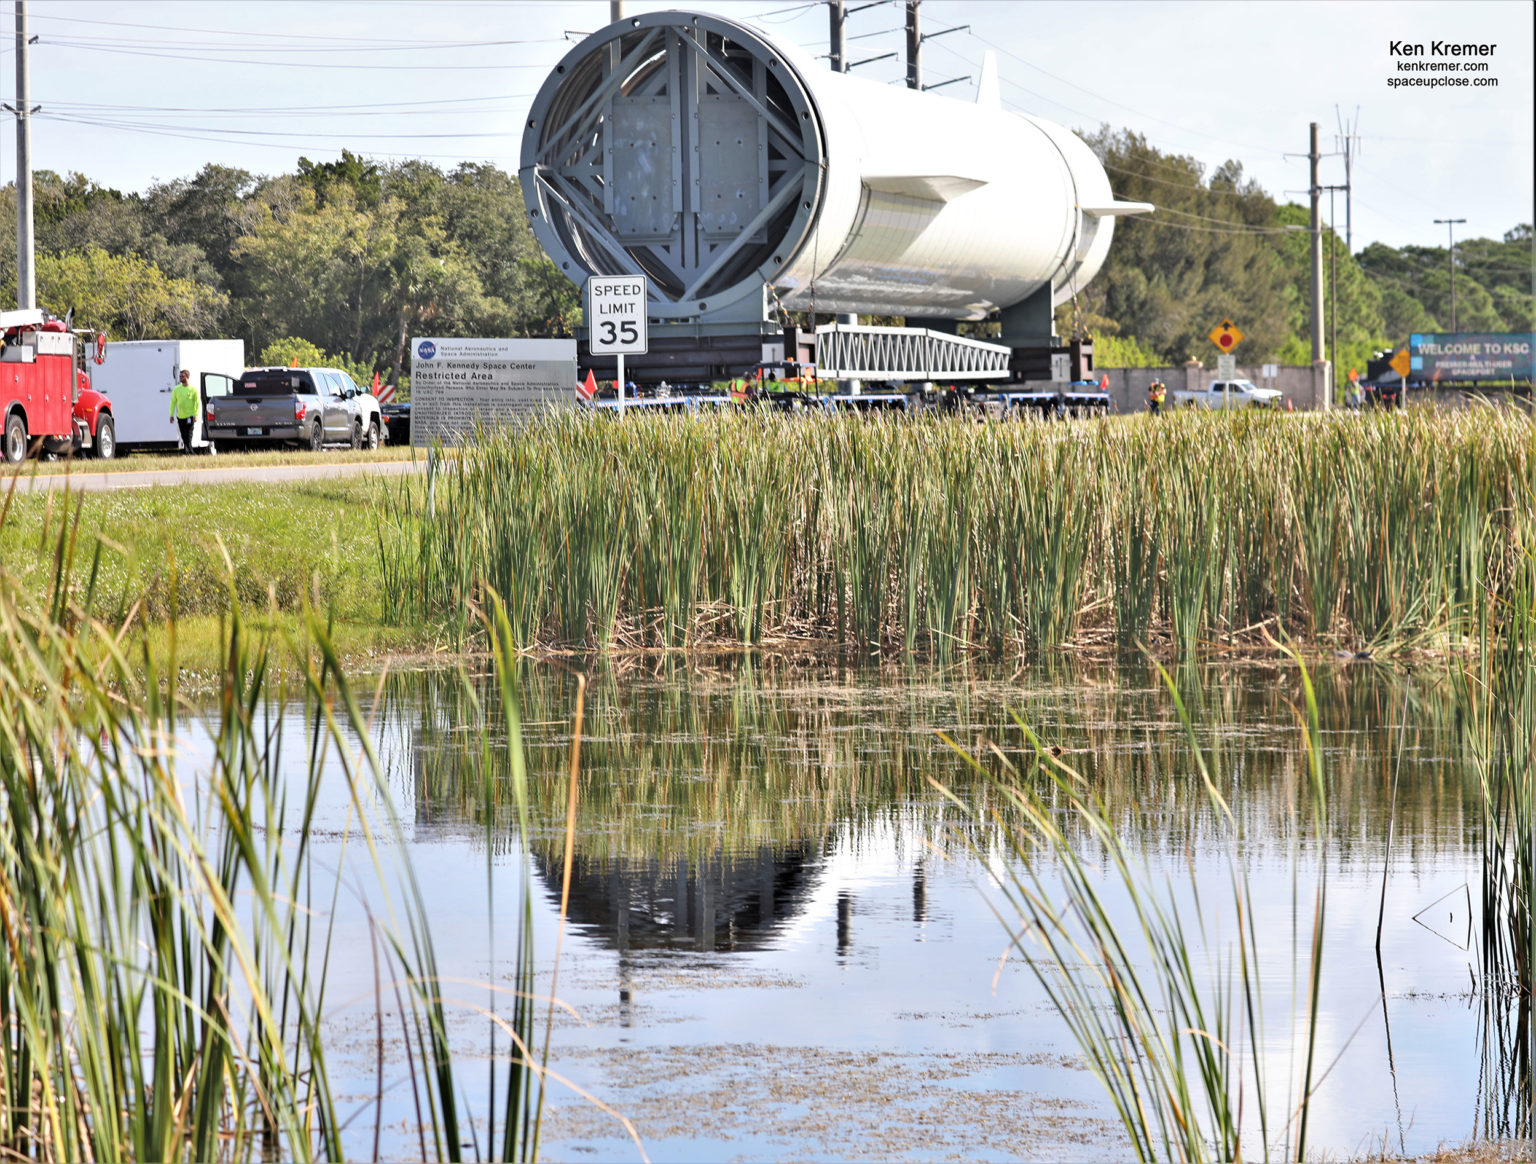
(46, 399)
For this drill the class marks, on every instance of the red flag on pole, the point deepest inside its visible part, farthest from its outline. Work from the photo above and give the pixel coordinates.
(1104, 382)
(375, 388)
(587, 389)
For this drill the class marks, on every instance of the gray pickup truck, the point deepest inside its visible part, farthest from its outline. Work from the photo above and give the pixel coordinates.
(311, 407)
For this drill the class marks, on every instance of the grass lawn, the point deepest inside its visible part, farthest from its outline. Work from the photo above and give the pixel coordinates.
(142, 462)
(183, 550)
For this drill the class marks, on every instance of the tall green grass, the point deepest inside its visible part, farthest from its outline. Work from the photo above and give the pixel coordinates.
(923, 536)
(165, 980)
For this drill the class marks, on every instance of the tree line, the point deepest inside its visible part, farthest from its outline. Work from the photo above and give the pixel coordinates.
(352, 257)
(1219, 246)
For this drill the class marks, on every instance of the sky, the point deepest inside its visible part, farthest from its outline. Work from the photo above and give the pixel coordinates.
(134, 92)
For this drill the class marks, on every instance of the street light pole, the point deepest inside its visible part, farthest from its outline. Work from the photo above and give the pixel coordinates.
(1450, 234)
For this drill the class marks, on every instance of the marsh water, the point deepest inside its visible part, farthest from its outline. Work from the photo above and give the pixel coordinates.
(785, 942)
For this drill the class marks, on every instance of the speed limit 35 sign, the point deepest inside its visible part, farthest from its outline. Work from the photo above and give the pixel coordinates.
(616, 315)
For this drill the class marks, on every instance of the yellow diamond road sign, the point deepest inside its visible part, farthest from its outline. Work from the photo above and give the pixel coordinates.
(1400, 363)
(1226, 336)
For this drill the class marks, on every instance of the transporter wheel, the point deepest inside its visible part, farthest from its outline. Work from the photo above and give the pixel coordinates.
(316, 436)
(106, 438)
(15, 444)
(371, 442)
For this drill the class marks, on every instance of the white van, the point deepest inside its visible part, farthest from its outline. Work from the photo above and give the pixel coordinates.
(138, 375)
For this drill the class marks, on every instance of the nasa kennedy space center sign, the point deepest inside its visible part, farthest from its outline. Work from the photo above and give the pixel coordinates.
(456, 383)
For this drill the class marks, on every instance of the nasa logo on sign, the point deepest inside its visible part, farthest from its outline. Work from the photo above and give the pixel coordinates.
(426, 349)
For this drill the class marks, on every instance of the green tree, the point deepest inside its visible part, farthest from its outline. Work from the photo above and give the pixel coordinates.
(293, 352)
(203, 212)
(483, 212)
(1204, 255)
(125, 296)
(1493, 284)
(358, 181)
(309, 271)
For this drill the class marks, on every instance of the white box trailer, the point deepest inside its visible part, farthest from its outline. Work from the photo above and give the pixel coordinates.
(138, 375)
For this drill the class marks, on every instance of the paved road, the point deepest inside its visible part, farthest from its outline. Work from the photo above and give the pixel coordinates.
(219, 475)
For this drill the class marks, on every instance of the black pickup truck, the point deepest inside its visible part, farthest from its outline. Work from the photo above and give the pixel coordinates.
(310, 407)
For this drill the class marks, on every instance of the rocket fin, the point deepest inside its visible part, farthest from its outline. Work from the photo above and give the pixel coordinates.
(1115, 209)
(988, 95)
(931, 187)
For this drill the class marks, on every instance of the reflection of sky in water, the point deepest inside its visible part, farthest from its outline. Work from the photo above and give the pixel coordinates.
(762, 873)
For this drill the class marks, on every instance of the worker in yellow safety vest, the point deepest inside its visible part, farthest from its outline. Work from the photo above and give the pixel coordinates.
(184, 404)
(1157, 392)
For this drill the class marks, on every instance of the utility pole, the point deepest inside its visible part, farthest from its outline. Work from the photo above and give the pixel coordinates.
(1317, 252)
(1348, 141)
(1450, 234)
(1333, 285)
(914, 47)
(837, 36)
(26, 253)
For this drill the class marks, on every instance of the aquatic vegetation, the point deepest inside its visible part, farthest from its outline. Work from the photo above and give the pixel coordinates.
(1497, 695)
(169, 930)
(1160, 988)
(932, 535)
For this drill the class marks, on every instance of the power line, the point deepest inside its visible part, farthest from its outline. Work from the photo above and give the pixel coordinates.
(1195, 187)
(240, 134)
(1247, 228)
(193, 135)
(459, 67)
(1152, 223)
(237, 32)
(1110, 100)
(386, 109)
(332, 47)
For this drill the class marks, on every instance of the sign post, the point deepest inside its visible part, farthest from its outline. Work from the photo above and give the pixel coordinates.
(1226, 337)
(1402, 364)
(616, 320)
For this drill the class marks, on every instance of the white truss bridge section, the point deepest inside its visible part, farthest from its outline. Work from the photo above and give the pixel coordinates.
(849, 352)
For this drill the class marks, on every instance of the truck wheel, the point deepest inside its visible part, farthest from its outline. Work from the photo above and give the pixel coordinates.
(317, 437)
(106, 438)
(357, 436)
(372, 440)
(15, 445)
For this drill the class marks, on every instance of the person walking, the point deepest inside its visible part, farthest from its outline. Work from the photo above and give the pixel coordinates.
(184, 409)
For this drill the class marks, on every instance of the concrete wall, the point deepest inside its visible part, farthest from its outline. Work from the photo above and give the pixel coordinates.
(1307, 388)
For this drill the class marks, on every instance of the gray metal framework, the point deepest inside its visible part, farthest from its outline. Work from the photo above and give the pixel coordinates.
(847, 352)
(678, 146)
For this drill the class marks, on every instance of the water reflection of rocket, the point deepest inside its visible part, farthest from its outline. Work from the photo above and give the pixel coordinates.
(713, 904)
